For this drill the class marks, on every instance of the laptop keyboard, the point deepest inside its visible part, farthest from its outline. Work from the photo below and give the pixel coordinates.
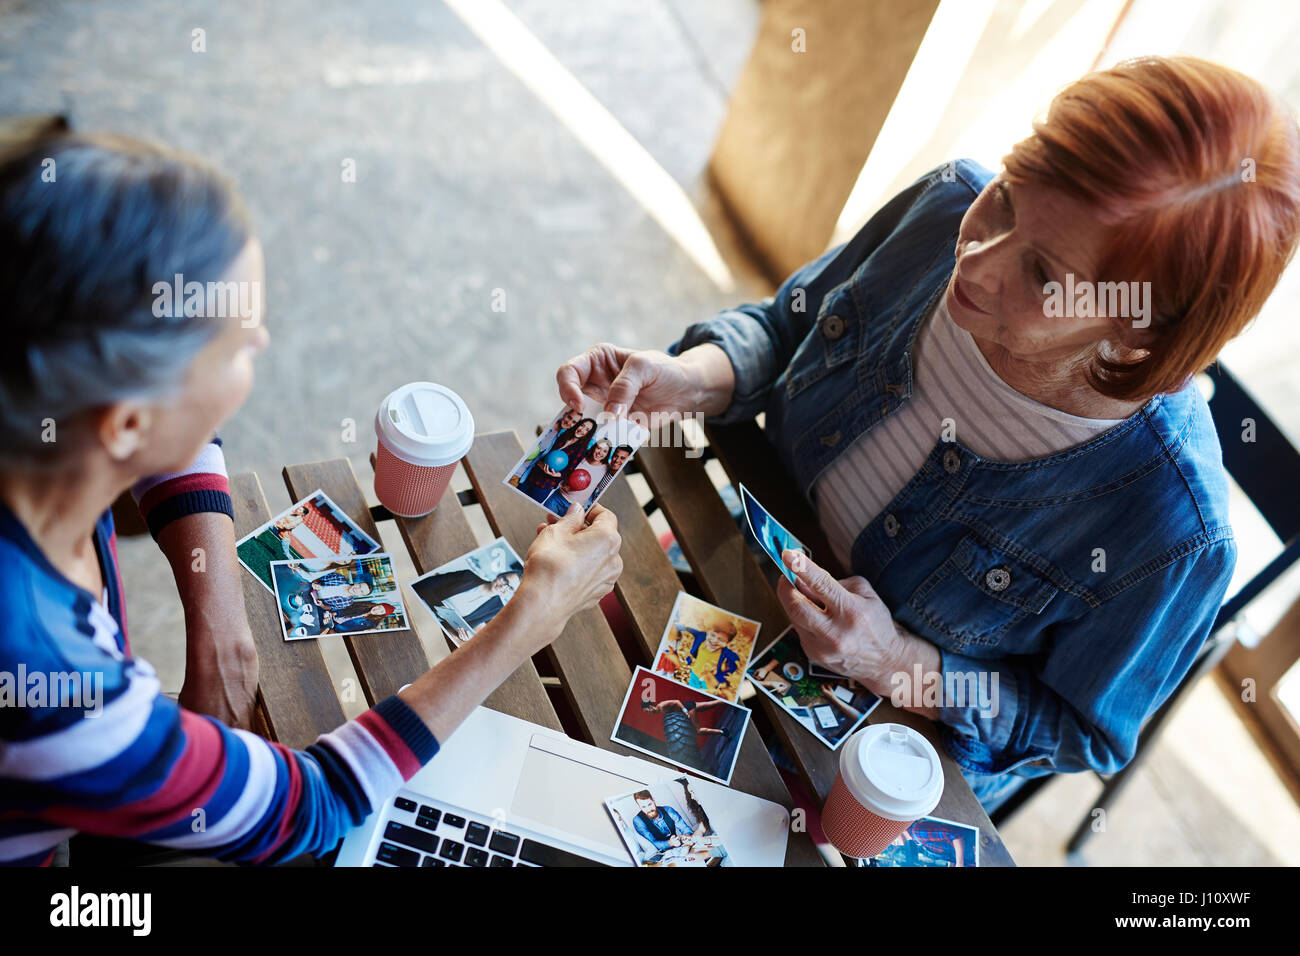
(420, 833)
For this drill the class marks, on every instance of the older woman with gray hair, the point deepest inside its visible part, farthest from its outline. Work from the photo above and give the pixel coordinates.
(106, 386)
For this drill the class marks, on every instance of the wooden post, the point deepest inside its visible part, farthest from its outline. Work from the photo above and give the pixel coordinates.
(804, 115)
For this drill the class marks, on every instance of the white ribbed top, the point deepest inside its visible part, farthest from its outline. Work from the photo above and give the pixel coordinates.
(952, 380)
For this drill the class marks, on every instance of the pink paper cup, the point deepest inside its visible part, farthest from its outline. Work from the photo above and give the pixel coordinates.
(422, 431)
(890, 777)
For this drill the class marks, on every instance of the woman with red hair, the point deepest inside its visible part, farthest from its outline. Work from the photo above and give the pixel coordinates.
(987, 396)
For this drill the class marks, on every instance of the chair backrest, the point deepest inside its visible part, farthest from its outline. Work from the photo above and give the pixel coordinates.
(1267, 467)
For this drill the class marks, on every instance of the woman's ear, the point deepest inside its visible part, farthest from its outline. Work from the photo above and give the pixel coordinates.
(123, 428)
(1135, 337)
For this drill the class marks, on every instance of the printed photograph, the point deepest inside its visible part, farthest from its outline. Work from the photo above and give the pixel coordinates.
(933, 842)
(706, 647)
(466, 593)
(665, 825)
(681, 725)
(312, 528)
(576, 458)
(770, 534)
(321, 596)
(829, 707)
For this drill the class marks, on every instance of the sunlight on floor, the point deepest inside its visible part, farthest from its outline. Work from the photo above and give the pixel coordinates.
(597, 129)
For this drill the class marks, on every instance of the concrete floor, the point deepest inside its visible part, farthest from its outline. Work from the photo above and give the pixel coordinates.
(467, 184)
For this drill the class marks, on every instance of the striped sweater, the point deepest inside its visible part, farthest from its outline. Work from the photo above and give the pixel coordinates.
(89, 743)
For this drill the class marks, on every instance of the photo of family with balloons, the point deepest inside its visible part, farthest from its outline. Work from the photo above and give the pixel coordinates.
(576, 458)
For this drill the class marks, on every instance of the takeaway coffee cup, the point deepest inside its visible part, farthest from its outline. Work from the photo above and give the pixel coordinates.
(423, 430)
(890, 777)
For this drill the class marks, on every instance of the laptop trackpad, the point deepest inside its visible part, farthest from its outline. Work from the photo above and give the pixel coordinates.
(568, 795)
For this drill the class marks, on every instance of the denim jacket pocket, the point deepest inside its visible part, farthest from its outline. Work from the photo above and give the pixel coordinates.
(978, 593)
(832, 341)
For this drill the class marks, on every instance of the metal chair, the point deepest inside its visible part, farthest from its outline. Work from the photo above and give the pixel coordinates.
(1268, 471)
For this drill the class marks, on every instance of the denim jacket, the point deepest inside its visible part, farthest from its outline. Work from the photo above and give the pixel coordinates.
(1084, 582)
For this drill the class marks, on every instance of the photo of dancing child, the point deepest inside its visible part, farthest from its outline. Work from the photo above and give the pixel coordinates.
(312, 528)
(665, 825)
(576, 458)
(680, 725)
(706, 647)
(465, 593)
(830, 708)
(323, 596)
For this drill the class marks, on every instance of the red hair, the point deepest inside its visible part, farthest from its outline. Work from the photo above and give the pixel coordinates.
(1196, 169)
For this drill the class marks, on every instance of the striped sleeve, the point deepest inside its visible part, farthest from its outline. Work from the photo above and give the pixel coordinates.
(144, 768)
(203, 486)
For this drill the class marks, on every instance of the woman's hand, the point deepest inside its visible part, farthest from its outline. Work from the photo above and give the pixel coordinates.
(843, 625)
(699, 380)
(573, 562)
(221, 677)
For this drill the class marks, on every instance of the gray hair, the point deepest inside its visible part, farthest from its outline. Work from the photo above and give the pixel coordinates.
(88, 226)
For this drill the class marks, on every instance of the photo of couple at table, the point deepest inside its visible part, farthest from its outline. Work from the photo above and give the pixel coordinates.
(576, 458)
(467, 592)
(665, 825)
(323, 596)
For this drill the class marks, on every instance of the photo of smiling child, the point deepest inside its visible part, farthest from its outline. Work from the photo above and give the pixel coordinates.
(706, 647)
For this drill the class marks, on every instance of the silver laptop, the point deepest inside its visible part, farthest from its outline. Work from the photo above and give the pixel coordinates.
(504, 792)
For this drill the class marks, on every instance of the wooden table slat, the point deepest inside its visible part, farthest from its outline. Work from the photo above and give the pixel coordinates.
(592, 669)
(440, 537)
(384, 662)
(731, 576)
(298, 698)
(648, 585)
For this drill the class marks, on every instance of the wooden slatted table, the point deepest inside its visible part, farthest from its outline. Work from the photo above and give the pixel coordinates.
(298, 699)
(730, 576)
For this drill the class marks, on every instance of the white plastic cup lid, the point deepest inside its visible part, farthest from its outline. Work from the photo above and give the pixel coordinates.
(425, 424)
(893, 771)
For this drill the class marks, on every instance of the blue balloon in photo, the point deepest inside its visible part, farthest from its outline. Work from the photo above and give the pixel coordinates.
(557, 461)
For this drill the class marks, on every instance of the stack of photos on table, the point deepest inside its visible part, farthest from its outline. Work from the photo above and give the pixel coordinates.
(576, 458)
(312, 528)
(328, 576)
(683, 710)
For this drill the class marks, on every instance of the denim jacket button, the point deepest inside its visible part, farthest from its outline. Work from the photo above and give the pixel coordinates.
(833, 327)
(998, 578)
(891, 525)
(951, 461)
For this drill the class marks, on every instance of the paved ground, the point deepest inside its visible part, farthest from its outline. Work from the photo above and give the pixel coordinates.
(467, 184)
